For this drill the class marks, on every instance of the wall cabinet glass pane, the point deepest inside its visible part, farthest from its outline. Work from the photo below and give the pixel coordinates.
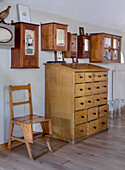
(60, 37)
(116, 43)
(107, 42)
(29, 42)
(115, 54)
(107, 54)
(86, 45)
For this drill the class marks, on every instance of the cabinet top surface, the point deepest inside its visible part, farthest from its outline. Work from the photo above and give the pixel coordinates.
(102, 33)
(54, 23)
(79, 66)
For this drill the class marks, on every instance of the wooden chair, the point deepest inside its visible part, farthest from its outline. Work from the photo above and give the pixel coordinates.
(26, 122)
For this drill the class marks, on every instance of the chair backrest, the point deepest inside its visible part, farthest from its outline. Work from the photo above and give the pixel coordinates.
(15, 88)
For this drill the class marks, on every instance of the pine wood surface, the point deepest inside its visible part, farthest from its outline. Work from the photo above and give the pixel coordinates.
(104, 151)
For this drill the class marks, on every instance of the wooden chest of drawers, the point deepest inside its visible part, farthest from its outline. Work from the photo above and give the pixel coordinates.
(76, 99)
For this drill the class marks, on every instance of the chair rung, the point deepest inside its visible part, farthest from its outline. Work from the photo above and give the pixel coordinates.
(19, 139)
(19, 103)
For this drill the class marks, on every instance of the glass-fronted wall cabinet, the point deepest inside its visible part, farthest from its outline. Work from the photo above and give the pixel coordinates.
(26, 51)
(105, 48)
(84, 46)
(53, 37)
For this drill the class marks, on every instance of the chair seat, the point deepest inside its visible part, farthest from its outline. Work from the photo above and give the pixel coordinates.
(29, 119)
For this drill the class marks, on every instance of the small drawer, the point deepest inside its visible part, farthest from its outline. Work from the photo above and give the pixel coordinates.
(80, 117)
(80, 103)
(89, 77)
(102, 123)
(92, 127)
(79, 77)
(88, 88)
(29, 62)
(79, 90)
(103, 110)
(103, 98)
(92, 113)
(80, 130)
(104, 76)
(88, 101)
(96, 100)
(96, 88)
(97, 76)
(104, 86)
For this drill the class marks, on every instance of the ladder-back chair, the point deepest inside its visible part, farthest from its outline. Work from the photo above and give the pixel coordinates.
(26, 122)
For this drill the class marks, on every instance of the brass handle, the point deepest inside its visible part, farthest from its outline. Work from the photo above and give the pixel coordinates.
(104, 86)
(98, 99)
(105, 98)
(105, 110)
(105, 75)
(89, 101)
(82, 116)
(89, 88)
(81, 77)
(81, 89)
(81, 131)
(82, 103)
(94, 113)
(89, 76)
(103, 123)
(97, 87)
(94, 127)
(99, 75)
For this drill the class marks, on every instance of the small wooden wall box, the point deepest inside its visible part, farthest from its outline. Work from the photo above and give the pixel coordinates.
(26, 51)
(71, 46)
(53, 37)
(84, 46)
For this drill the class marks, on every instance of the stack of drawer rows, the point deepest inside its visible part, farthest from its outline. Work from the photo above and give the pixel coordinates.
(76, 100)
(91, 107)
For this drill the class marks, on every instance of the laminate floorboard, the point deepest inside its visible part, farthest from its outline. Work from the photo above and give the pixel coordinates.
(105, 151)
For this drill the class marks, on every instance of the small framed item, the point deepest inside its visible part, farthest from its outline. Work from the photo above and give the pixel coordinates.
(24, 13)
(81, 31)
(7, 36)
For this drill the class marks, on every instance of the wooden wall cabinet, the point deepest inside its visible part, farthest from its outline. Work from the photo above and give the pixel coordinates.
(105, 48)
(54, 37)
(84, 46)
(26, 51)
(71, 46)
(76, 100)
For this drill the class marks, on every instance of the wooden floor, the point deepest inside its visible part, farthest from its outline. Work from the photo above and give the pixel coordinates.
(105, 151)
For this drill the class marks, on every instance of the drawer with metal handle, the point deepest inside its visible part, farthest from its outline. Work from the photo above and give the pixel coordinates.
(79, 77)
(96, 100)
(88, 88)
(103, 98)
(103, 110)
(88, 101)
(92, 127)
(104, 76)
(80, 117)
(89, 77)
(92, 113)
(79, 90)
(104, 87)
(97, 76)
(79, 103)
(96, 88)
(102, 123)
(80, 130)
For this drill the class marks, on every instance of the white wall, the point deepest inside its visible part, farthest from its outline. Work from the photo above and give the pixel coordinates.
(36, 76)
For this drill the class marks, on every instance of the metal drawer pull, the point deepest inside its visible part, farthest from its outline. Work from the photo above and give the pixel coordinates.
(105, 110)
(89, 88)
(105, 86)
(30, 63)
(82, 116)
(105, 98)
(98, 99)
(103, 123)
(97, 87)
(81, 131)
(81, 77)
(94, 127)
(89, 101)
(94, 113)
(105, 75)
(89, 76)
(99, 75)
(81, 89)
(82, 103)
(72, 43)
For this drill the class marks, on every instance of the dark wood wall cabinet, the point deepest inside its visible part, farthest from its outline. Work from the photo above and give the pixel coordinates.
(84, 46)
(71, 46)
(26, 51)
(54, 37)
(105, 48)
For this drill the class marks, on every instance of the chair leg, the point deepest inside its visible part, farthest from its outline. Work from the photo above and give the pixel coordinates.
(29, 150)
(49, 145)
(11, 131)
